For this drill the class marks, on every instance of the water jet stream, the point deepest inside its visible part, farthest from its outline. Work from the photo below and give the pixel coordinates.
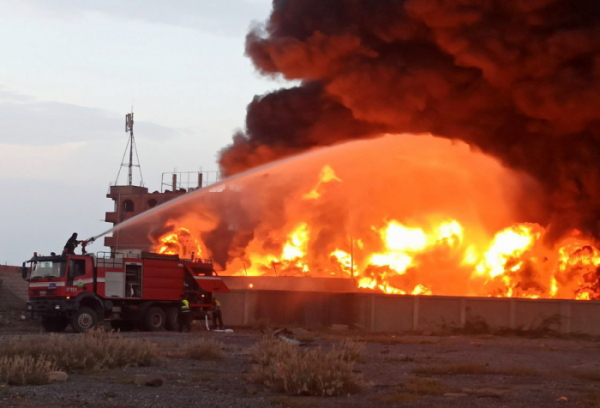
(401, 213)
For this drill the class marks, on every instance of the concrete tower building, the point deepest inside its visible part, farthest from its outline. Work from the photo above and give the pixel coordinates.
(131, 200)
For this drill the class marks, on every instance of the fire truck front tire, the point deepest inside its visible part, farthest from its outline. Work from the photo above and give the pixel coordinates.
(55, 324)
(84, 319)
(154, 319)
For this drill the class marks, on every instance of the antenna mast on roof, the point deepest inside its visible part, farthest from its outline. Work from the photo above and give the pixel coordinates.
(132, 147)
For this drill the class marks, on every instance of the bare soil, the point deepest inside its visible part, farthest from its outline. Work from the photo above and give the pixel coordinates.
(467, 371)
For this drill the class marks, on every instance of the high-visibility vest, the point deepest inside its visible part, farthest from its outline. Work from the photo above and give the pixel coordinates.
(185, 305)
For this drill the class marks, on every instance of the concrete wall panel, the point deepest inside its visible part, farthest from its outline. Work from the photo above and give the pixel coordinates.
(13, 289)
(537, 314)
(495, 313)
(585, 317)
(362, 310)
(309, 309)
(391, 313)
(232, 308)
(437, 312)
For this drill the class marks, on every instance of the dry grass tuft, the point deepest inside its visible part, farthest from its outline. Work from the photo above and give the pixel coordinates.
(24, 370)
(205, 349)
(296, 371)
(93, 351)
(352, 350)
(453, 369)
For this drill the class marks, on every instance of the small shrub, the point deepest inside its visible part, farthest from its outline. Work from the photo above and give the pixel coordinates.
(93, 351)
(205, 349)
(453, 369)
(269, 350)
(19, 370)
(351, 350)
(286, 367)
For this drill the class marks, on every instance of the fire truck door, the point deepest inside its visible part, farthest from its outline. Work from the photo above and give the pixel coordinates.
(133, 280)
(79, 276)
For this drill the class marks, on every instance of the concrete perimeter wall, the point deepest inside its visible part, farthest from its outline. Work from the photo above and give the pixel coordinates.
(389, 313)
(13, 289)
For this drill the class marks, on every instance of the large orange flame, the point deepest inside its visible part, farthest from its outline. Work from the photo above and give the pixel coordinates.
(497, 265)
(419, 248)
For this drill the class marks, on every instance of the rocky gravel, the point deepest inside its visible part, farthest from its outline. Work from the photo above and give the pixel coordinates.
(476, 371)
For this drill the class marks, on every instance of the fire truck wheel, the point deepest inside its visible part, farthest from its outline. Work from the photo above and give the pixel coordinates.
(55, 324)
(154, 319)
(84, 319)
(172, 323)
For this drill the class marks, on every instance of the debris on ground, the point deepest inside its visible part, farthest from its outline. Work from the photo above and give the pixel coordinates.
(289, 336)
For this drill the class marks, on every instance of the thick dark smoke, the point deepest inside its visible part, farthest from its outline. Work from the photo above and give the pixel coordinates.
(519, 79)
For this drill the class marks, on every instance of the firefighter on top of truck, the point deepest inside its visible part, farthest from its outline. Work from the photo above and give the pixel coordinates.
(71, 245)
(185, 315)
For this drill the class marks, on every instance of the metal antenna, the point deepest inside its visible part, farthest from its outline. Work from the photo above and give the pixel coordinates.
(131, 146)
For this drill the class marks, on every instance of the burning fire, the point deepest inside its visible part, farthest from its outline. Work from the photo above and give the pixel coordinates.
(498, 267)
(180, 242)
(427, 251)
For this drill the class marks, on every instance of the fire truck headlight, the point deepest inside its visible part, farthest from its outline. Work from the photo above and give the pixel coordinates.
(57, 307)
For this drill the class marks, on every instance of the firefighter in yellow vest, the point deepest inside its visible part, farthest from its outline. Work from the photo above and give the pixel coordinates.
(185, 315)
(216, 315)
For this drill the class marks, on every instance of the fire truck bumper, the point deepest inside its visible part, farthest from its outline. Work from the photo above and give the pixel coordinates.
(50, 307)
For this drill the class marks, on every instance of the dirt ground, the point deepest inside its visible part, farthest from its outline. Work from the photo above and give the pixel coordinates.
(467, 371)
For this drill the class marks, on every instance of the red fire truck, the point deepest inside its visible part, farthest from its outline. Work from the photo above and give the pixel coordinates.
(129, 290)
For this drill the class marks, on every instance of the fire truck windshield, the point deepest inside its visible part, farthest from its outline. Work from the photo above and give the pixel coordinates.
(48, 269)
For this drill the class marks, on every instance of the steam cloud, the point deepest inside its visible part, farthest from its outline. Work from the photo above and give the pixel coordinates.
(518, 79)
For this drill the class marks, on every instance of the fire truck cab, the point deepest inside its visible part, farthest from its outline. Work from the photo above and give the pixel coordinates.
(129, 290)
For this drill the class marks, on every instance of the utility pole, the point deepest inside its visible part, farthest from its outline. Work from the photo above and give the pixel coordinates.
(129, 127)
(131, 146)
(352, 257)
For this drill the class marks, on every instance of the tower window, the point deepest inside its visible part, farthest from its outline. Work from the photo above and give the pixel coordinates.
(128, 206)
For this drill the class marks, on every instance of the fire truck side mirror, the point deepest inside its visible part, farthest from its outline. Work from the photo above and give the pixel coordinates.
(24, 272)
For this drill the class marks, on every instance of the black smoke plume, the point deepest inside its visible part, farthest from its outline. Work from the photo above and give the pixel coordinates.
(518, 79)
